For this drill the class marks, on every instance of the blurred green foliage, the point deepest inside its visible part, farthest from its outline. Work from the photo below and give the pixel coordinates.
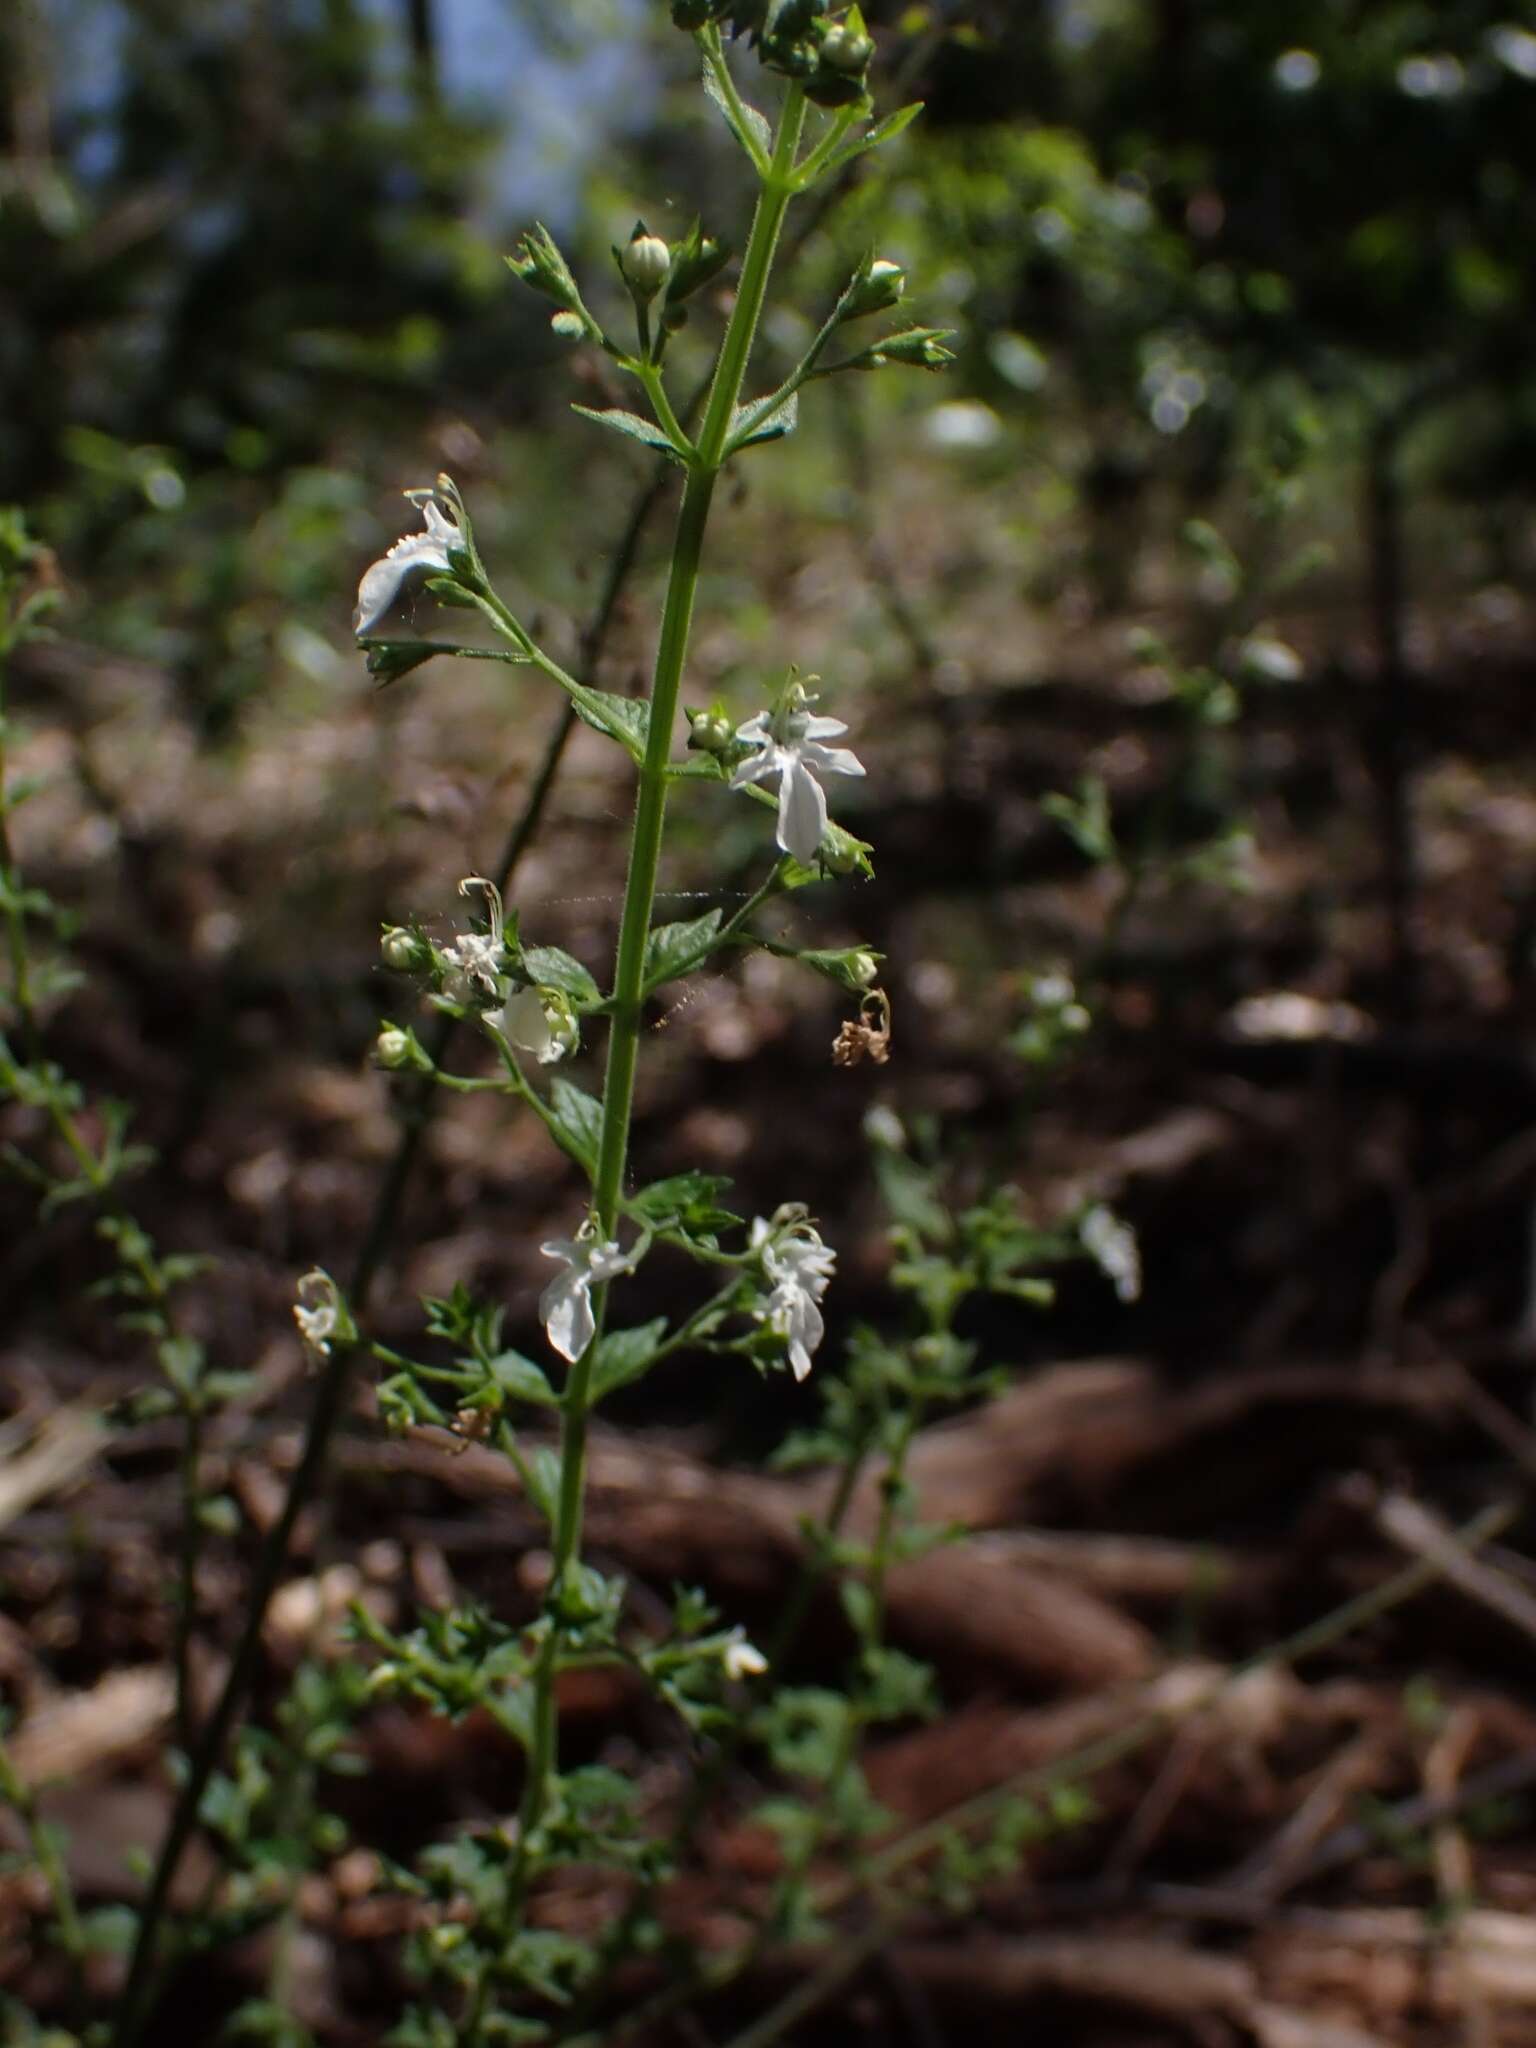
(250, 260)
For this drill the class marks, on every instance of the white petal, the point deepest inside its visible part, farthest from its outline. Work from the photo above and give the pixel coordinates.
(755, 767)
(607, 1262)
(824, 728)
(440, 526)
(418, 554)
(757, 731)
(524, 1023)
(802, 812)
(565, 1309)
(831, 760)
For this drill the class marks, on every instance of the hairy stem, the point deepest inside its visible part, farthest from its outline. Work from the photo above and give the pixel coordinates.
(629, 970)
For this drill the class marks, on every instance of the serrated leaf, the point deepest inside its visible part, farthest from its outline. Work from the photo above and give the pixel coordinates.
(670, 948)
(578, 1119)
(521, 1378)
(623, 1355)
(758, 130)
(781, 421)
(685, 1201)
(553, 968)
(633, 425)
(625, 719)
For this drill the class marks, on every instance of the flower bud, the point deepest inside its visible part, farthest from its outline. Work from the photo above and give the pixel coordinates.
(793, 57)
(404, 950)
(797, 17)
(711, 731)
(538, 262)
(854, 967)
(645, 261)
(922, 347)
(841, 854)
(740, 1658)
(392, 1048)
(697, 259)
(875, 288)
(847, 49)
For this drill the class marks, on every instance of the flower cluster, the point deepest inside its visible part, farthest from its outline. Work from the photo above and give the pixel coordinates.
(477, 967)
(800, 39)
(798, 1268)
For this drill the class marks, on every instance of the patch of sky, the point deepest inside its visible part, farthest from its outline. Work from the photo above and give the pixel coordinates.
(85, 43)
(557, 81)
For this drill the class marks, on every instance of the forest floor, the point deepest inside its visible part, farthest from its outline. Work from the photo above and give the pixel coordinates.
(1327, 1145)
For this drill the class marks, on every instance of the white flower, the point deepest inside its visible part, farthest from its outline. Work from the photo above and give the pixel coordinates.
(740, 1658)
(539, 1022)
(1112, 1246)
(474, 958)
(565, 1306)
(788, 741)
(798, 1267)
(414, 554)
(317, 1312)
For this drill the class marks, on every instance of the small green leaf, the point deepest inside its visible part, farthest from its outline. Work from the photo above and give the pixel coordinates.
(859, 1606)
(578, 1120)
(783, 420)
(625, 719)
(685, 1202)
(893, 124)
(543, 1470)
(552, 968)
(757, 130)
(883, 131)
(521, 1378)
(623, 1355)
(671, 948)
(633, 425)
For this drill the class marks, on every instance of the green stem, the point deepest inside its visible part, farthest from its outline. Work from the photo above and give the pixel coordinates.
(661, 404)
(629, 968)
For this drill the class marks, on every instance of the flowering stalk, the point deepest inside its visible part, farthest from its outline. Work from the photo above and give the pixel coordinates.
(629, 973)
(533, 1001)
